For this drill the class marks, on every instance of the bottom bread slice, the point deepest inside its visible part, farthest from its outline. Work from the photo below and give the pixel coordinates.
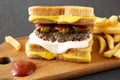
(74, 55)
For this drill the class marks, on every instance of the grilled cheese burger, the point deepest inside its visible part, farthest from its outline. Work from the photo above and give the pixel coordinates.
(61, 32)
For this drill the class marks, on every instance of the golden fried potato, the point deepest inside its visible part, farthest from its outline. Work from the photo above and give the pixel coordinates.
(111, 52)
(101, 22)
(13, 42)
(102, 44)
(107, 26)
(110, 41)
(107, 29)
(116, 38)
(117, 53)
(113, 20)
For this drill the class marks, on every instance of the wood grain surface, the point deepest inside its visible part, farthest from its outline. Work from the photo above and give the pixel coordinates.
(54, 69)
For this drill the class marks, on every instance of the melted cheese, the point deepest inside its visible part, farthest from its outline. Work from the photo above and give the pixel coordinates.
(45, 55)
(82, 58)
(57, 47)
(60, 19)
(48, 55)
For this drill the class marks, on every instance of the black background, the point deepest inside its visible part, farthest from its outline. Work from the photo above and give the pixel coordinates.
(14, 22)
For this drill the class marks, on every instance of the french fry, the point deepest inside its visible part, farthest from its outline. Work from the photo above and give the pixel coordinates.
(13, 42)
(101, 22)
(113, 20)
(102, 44)
(116, 38)
(110, 41)
(111, 52)
(117, 54)
(107, 29)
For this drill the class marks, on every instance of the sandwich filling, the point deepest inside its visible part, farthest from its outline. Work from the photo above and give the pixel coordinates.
(57, 38)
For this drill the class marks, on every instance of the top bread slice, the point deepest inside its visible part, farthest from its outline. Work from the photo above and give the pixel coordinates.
(61, 10)
(87, 14)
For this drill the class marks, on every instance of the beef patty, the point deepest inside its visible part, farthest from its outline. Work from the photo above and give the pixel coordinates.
(60, 37)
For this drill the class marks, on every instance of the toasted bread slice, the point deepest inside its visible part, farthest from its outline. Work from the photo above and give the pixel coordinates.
(61, 10)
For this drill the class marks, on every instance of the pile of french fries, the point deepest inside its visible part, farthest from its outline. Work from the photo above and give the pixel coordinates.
(111, 29)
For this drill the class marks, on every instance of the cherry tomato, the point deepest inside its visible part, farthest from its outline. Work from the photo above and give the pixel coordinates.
(22, 68)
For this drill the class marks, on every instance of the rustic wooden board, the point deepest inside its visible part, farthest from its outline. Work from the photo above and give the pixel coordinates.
(54, 69)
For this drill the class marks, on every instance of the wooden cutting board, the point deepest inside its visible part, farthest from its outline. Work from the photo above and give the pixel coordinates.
(54, 69)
